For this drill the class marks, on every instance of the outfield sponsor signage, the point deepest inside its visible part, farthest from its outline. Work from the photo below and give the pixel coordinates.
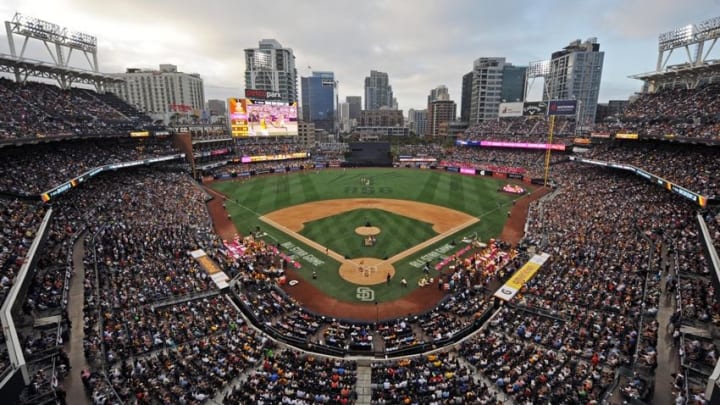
(531, 108)
(562, 107)
(521, 276)
(510, 110)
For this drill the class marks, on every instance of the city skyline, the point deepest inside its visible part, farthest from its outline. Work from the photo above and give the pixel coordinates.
(419, 45)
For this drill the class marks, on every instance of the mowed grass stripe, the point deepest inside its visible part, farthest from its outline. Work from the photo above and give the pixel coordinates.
(427, 193)
(457, 190)
(253, 198)
(256, 196)
(309, 191)
(398, 233)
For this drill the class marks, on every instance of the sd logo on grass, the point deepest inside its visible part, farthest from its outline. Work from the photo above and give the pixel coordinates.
(365, 294)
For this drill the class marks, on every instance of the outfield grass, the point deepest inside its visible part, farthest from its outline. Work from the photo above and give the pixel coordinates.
(475, 195)
(398, 233)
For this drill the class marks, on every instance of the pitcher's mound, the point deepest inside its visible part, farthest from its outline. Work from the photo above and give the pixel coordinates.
(367, 230)
(366, 271)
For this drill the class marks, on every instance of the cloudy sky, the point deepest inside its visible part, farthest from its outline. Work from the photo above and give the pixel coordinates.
(420, 43)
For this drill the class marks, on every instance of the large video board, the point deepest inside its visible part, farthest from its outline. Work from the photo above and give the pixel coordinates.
(262, 117)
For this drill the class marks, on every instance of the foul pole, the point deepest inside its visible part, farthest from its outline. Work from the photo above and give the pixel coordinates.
(548, 150)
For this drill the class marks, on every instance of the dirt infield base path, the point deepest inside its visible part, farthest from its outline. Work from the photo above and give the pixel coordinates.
(445, 221)
(442, 218)
(418, 301)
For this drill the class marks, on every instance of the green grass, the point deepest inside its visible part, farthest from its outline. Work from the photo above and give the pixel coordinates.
(398, 233)
(475, 195)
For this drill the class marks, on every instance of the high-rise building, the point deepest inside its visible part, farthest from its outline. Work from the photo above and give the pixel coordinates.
(384, 117)
(216, 107)
(493, 80)
(378, 92)
(355, 105)
(575, 73)
(466, 96)
(419, 122)
(441, 110)
(344, 113)
(162, 91)
(318, 100)
(271, 67)
(513, 83)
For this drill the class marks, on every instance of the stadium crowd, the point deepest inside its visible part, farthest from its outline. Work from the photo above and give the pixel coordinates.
(160, 332)
(62, 161)
(694, 167)
(437, 378)
(42, 110)
(290, 377)
(671, 112)
(520, 129)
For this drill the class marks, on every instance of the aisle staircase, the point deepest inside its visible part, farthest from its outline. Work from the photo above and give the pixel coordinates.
(364, 392)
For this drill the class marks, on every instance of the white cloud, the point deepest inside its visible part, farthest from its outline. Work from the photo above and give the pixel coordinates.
(420, 43)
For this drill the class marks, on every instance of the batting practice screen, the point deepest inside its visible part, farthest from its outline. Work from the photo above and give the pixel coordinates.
(370, 154)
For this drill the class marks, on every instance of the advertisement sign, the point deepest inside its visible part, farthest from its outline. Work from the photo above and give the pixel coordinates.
(522, 276)
(626, 136)
(510, 110)
(139, 134)
(531, 108)
(262, 117)
(523, 145)
(604, 135)
(283, 156)
(255, 94)
(562, 107)
(467, 170)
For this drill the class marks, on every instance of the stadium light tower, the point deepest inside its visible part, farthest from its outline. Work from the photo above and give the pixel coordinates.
(696, 35)
(63, 40)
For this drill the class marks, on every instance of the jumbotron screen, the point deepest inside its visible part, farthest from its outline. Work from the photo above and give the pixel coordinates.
(262, 117)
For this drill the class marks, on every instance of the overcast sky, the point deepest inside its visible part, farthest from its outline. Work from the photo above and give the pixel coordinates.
(420, 43)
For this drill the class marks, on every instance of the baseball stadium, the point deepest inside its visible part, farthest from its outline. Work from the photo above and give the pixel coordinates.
(532, 258)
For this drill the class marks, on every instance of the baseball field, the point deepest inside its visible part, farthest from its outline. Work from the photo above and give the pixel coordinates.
(362, 231)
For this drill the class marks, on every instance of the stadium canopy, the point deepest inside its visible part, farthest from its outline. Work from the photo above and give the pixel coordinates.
(685, 74)
(65, 76)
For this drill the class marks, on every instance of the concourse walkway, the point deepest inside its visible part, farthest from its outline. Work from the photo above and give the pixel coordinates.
(74, 347)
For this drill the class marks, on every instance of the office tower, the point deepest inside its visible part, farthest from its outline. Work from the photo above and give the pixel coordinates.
(466, 96)
(216, 107)
(575, 73)
(355, 105)
(441, 110)
(318, 100)
(493, 81)
(271, 67)
(378, 92)
(419, 119)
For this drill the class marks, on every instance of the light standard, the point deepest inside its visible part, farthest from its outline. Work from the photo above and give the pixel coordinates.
(579, 114)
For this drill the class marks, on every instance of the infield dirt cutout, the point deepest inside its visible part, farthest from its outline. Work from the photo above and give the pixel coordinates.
(368, 271)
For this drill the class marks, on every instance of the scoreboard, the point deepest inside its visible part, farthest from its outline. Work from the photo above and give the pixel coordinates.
(266, 116)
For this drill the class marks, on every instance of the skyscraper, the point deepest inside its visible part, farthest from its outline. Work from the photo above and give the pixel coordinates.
(378, 92)
(513, 83)
(419, 121)
(466, 96)
(441, 110)
(575, 73)
(355, 105)
(271, 67)
(318, 100)
(493, 80)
